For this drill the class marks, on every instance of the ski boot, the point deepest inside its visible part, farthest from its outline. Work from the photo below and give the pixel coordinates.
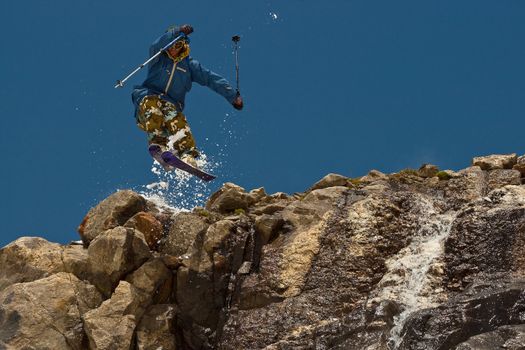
(156, 151)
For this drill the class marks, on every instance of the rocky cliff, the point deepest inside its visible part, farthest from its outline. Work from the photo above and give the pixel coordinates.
(420, 259)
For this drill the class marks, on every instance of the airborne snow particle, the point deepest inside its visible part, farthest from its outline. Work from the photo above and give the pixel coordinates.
(274, 15)
(179, 190)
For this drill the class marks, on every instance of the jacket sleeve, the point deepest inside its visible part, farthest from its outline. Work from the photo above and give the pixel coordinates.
(163, 40)
(206, 77)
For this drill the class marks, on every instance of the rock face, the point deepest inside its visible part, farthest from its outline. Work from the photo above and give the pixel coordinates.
(28, 259)
(157, 328)
(47, 313)
(149, 226)
(330, 180)
(420, 259)
(496, 161)
(520, 166)
(114, 211)
(112, 325)
(482, 308)
(505, 337)
(114, 254)
(428, 170)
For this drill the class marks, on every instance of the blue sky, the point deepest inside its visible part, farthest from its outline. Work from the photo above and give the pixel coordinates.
(336, 86)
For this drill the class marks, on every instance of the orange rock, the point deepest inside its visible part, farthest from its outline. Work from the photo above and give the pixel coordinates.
(150, 227)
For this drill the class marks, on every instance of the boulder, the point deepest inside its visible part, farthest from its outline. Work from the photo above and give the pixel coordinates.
(428, 170)
(31, 258)
(46, 313)
(231, 197)
(496, 161)
(112, 324)
(279, 195)
(267, 226)
(153, 278)
(114, 254)
(156, 329)
(374, 175)
(330, 180)
(28, 259)
(112, 212)
(171, 262)
(216, 235)
(502, 177)
(183, 231)
(257, 194)
(270, 208)
(150, 227)
(75, 259)
(323, 199)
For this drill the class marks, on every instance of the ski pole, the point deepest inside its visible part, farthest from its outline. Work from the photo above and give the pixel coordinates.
(120, 83)
(236, 40)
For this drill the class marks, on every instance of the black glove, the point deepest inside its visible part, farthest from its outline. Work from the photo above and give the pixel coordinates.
(238, 103)
(186, 29)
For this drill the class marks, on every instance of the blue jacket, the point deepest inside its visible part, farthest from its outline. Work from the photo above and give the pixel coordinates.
(172, 81)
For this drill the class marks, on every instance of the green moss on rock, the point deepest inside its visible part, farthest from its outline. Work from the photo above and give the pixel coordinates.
(239, 211)
(443, 175)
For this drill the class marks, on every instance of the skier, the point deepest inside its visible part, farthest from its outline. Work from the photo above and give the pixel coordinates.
(159, 101)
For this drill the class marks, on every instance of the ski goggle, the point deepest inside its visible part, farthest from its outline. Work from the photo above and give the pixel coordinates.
(179, 44)
(184, 52)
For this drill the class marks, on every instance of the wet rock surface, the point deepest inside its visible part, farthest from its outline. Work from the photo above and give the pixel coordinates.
(482, 308)
(419, 259)
(505, 337)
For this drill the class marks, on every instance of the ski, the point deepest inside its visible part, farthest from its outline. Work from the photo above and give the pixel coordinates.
(175, 161)
(169, 160)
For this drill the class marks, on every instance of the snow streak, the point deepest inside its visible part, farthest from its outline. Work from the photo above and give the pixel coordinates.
(177, 190)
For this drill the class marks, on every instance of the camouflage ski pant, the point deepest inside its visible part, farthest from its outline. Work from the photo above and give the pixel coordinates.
(165, 125)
